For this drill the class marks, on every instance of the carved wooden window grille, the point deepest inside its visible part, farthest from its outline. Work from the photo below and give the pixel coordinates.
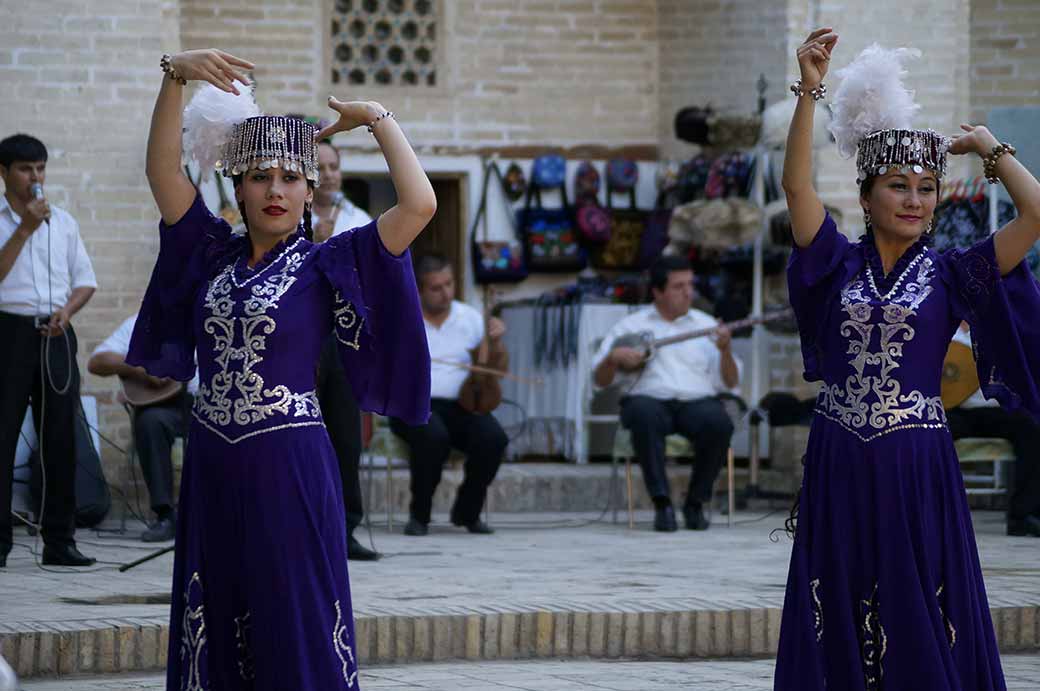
(384, 42)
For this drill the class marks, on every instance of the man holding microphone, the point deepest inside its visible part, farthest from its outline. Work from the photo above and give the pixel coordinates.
(45, 278)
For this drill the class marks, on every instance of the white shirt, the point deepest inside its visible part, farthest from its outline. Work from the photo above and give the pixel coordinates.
(683, 371)
(119, 343)
(976, 400)
(453, 340)
(25, 289)
(349, 217)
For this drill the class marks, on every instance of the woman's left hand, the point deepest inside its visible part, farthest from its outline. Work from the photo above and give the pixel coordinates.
(976, 139)
(352, 114)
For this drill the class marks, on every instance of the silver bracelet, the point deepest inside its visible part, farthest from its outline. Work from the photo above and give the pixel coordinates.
(387, 114)
(817, 94)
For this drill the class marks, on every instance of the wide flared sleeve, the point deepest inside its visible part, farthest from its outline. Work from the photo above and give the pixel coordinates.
(1004, 315)
(815, 274)
(190, 251)
(378, 324)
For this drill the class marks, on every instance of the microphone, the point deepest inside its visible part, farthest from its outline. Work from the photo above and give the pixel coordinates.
(36, 189)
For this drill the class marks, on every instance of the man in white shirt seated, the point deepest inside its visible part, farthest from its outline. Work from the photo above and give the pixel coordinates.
(45, 278)
(156, 426)
(453, 330)
(979, 417)
(675, 392)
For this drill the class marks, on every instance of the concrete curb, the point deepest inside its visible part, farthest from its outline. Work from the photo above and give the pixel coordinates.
(133, 645)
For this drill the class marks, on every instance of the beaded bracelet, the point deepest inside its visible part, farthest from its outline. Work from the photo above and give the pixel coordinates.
(167, 68)
(386, 114)
(989, 163)
(817, 94)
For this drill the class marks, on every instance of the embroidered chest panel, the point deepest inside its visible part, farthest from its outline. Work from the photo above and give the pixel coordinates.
(240, 317)
(872, 401)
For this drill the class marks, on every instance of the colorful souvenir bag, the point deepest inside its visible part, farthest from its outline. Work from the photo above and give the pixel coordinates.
(592, 219)
(550, 239)
(621, 251)
(495, 261)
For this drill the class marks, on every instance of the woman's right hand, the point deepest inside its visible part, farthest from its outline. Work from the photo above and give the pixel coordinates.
(213, 66)
(814, 56)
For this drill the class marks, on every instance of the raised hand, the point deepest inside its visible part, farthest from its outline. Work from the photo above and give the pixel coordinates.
(814, 56)
(351, 114)
(976, 139)
(213, 66)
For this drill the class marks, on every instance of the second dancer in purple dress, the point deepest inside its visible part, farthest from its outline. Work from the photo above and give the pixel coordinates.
(885, 590)
(261, 598)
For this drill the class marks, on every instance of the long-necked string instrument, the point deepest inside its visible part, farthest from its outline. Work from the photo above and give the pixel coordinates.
(646, 342)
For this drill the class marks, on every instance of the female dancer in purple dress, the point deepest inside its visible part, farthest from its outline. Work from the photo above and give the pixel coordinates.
(261, 598)
(885, 589)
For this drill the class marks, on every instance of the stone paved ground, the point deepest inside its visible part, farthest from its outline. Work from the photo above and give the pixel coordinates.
(1021, 671)
(533, 560)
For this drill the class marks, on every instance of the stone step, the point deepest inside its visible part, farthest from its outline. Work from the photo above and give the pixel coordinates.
(665, 630)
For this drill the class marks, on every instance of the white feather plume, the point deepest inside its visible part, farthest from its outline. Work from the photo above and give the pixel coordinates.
(209, 119)
(872, 96)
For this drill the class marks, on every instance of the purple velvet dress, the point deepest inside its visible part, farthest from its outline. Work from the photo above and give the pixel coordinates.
(885, 589)
(261, 598)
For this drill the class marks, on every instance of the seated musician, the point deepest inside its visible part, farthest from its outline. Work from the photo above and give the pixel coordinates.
(454, 330)
(675, 391)
(978, 417)
(156, 426)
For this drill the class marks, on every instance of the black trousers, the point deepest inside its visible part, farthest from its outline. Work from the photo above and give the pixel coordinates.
(703, 421)
(1024, 435)
(343, 422)
(23, 380)
(480, 437)
(155, 429)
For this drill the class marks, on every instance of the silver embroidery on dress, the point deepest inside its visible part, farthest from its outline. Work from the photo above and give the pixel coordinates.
(874, 642)
(237, 394)
(193, 636)
(814, 584)
(344, 651)
(243, 630)
(348, 324)
(951, 633)
(871, 401)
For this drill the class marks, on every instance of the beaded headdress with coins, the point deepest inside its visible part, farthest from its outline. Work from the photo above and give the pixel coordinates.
(227, 132)
(872, 115)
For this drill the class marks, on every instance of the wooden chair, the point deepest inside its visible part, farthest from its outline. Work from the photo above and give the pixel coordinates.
(978, 450)
(676, 446)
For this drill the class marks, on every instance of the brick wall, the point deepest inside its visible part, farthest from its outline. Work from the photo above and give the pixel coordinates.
(1005, 55)
(712, 52)
(82, 76)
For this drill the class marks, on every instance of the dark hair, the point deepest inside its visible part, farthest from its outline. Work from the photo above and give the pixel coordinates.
(308, 232)
(429, 264)
(665, 265)
(21, 147)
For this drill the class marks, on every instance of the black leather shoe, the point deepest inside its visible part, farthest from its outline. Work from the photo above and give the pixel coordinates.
(415, 528)
(65, 555)
(3, 560)
(162, 530)
(695, 518)
(358, 552)
(664, 520)
(1024, 527)
(477, 527)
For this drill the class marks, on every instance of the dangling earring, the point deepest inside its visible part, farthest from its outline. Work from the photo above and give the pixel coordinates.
(931, 226)
(867, 221)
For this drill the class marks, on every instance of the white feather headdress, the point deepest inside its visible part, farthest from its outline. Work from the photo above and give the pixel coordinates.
(872, 115)
(209, 120)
